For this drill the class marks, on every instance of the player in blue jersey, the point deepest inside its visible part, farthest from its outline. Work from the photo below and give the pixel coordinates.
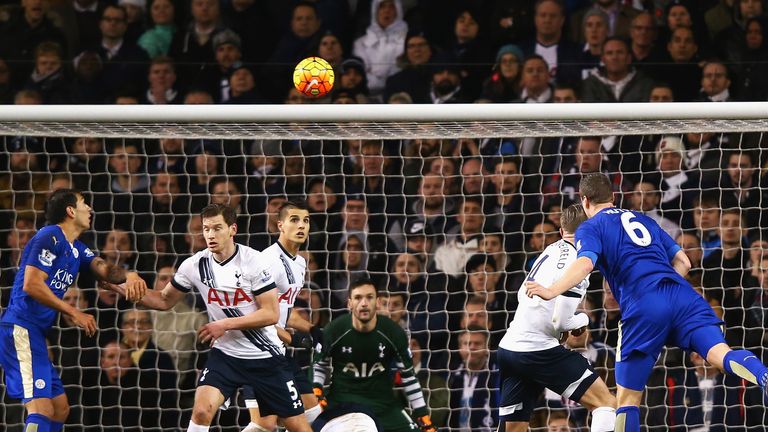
(645, 269)
(49, 265)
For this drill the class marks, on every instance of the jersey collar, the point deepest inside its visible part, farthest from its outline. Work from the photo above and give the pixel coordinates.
(293, 257)
(226, 261)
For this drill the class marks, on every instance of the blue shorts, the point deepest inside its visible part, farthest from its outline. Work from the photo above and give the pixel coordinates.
(300, 380)
(271, 379)
(670, 314)
(524, 375)
(29, 373)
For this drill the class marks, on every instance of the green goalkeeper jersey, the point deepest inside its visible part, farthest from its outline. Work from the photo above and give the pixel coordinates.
(361, 365)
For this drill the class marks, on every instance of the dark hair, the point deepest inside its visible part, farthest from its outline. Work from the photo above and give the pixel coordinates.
(213, 210)
(597, 188)
(476, 329)
(572, 217)
(753, 159)
(357, 283)
(399, 293)
(708, 199)
(509, 159)
(57, 204)
(291, 204)
(617, 39)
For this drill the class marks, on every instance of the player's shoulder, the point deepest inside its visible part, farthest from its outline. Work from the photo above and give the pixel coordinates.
(84, 249)
(389, 328)
(250, 255)
(273, 250)
(338, 326)
(50, 232)
(194, 260)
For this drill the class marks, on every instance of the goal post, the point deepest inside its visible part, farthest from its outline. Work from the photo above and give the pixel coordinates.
(391, 190)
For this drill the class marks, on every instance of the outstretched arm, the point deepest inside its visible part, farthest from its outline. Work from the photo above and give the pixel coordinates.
(135, 287)
(35, 287)
(681, 263)
(574, 274)
(154, 299)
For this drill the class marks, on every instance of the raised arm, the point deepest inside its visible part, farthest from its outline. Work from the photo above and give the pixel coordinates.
(35, 287)
(135, 287)
(574, 274)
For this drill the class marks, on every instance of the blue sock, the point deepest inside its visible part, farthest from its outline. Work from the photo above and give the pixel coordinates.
(744, 364)
(628, 419)
(37, 423)
(56, 426)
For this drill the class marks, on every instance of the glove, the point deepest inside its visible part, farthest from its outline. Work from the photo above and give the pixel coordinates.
(425, 424)
(318, 391)
(317, 337)
(301, 340)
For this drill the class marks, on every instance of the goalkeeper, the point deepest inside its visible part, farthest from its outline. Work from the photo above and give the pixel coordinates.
(360, 347)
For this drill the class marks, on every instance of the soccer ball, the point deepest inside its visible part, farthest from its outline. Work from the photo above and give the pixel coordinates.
(313, 77)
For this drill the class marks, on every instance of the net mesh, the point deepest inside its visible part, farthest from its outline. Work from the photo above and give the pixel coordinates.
(453, 223)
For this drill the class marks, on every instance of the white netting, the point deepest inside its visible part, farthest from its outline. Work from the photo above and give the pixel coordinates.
(390, 189)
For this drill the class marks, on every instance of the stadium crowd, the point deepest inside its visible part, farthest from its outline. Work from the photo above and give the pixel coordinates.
(446, 228)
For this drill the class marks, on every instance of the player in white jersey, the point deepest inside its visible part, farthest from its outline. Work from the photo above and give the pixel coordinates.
(241, 298)
(531, 356)
(288, 269)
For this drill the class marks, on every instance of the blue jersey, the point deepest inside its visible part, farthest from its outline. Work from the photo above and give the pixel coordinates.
(50, 252)
(631, 251)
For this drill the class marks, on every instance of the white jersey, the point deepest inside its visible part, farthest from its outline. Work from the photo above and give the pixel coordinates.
(288, 272)
(532, 329)
(228, 289)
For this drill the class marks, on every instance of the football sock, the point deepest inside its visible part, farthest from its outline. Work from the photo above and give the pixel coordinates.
(37, 423)
(628, 419)
(194, 427)
(312, 413)
(746, 365)
(603, 419)
(253, 427)
(56, 426)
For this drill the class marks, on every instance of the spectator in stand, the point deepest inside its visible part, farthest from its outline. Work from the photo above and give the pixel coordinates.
(242, 87)
(542, 235)
(469, 48)
(382, 43)
(228, 191)
(706, 219)
(49, 77)
(6, 89)
(156, 41)
(135, 10)
(595, 27)
(125, 63)
(719, 17)
(731, 40)
(197, 97)
(192, 48)
(473, 175)
(194, 237)
(607, 326)
(645, 198)
(617, 80)
(485, 281)
(560, 55)
(715, 83)
(748, 63)
(415, 76)
(264, 230)
(727, 278)
(618, 14)
(504, 83)
(661, 92)
(566, 93)
(115, 402)
(331, 49)
(136, 330)
(643, 48)
(162, 83)
(433, 206)
(680, 68)
(79, 19)
(379, 182)
(128, 192)
(535, 87)
(741, 181)
(259, 24)
(446, 85)
(204, 166)
(391, 304)
(677, 186)
(23, 187)
(168, 204)
(351, 264)
(463, 240)
(24, 29)
(16, 240)
(474, 384)
(352, 77)
(691, 245)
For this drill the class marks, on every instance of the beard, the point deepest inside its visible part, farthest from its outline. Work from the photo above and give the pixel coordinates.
(444, 87)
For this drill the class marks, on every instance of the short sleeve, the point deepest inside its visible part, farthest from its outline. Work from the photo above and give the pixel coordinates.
(668, 243)
(86, 255)
(42, 252)
(588, 242)
(182, 279)
(262, 280)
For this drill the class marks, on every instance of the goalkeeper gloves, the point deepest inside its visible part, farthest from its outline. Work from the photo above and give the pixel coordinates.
(301, 340)
(318, 391)
(317, 337)
(425, 424)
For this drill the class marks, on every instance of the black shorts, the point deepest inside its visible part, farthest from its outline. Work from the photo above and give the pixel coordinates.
(300, 380)
(271, 378)
(524, 375)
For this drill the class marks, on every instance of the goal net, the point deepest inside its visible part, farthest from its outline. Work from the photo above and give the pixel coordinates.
(444, 207)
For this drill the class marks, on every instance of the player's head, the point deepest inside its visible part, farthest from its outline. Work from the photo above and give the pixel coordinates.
(595, 189)
(68, 205)
(362, 300)
(219, 227)
(571, 218)
(293, 221)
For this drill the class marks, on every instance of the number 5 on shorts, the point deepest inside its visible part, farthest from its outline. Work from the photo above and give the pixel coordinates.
(292, 390)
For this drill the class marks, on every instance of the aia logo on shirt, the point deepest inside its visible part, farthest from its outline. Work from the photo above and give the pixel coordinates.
(226, 298)
(289, 296)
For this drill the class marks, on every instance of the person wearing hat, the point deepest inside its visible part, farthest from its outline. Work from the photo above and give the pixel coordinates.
(414, 75)
(228, 52)
(504, 83)
(382, 43)
(676, 184)
(446, 86)
(352, 76)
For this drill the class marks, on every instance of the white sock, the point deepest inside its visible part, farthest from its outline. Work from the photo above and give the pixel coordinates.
(194, 427)
(253, 427)
(603, 419)
(312, 413)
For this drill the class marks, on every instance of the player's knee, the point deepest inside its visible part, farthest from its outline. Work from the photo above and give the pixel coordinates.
(42, 406)
(268, 423)
(202, 414)
(61, 412)
(516, 426)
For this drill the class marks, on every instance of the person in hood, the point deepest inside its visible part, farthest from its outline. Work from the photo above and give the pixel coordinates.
(382, 43)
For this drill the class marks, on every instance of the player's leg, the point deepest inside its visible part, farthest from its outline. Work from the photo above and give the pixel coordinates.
(277, 394)
(208, 399)
(632, 373)
(59, 401)
(518, 396)
(258, 423)
(599, 400)
(219, 380)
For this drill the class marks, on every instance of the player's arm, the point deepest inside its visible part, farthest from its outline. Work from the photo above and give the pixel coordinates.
(267, 314)
(564, 317)
(573, 275)
(296, 321)
(410, 383)
(681, 263)
(321, 368)
(135, 287)
(35, 287)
